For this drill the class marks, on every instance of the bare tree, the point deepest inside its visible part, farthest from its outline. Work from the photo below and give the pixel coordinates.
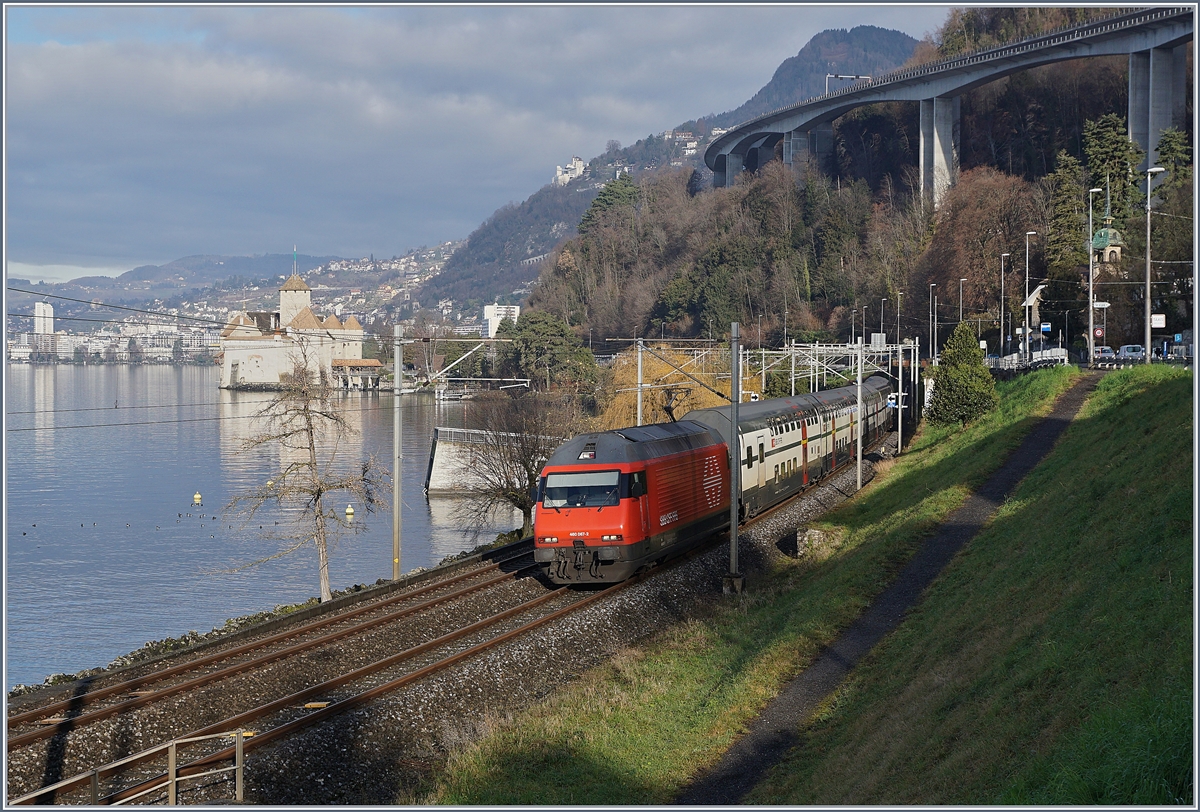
(305, 426)
(520, 434)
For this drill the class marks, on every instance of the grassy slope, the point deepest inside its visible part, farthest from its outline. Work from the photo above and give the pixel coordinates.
(1052, 661)
(636, 729)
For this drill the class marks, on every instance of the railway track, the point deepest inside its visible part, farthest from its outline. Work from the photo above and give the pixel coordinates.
(455, 618)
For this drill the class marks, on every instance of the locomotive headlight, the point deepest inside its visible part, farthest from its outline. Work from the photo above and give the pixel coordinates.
(614, 537)
(548, 539)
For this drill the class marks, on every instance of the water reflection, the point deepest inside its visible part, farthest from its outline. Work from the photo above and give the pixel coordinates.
(104, 547)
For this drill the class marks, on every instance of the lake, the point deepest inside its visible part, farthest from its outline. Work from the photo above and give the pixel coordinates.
(104, 547)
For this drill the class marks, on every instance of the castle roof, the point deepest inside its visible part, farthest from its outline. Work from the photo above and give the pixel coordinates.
(305, 320)
(351, 323)
(331, 323)
(240, 325)
(294, 282)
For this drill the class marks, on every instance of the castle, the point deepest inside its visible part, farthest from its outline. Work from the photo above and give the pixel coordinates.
(258, 349)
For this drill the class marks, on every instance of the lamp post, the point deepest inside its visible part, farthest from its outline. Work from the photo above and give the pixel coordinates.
(1091, 342)
(1025, 335)
(932, 342)
(864, 324)
(1002, 342)
(899, 301)
(960, 284)
(882, 307)
(1150, 173)
(397, 446)
(853, 313)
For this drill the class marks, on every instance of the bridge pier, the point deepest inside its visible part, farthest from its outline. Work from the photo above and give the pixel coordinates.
(940, 138)
(1157, 96)
(802, 146)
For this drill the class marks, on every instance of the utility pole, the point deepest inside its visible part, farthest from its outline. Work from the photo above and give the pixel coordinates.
(1150, 173)
(1026, 308)
(732, 583)
(639, 386)
(859, 416)
(960, 299)
(397, 452)
(1091, 342)
(1002, 342)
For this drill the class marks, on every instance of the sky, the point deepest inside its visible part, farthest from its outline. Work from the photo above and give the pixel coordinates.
(141, 134)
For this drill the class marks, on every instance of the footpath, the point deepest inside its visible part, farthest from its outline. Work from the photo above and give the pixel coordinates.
(777, 728)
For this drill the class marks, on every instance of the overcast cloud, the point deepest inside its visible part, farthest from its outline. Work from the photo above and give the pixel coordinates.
(140, 135)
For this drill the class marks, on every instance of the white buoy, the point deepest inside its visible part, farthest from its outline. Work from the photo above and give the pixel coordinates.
(349, 514)
(196, 498)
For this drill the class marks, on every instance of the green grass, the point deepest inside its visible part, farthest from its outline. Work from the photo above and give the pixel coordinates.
(1051, 663)
(636, 729)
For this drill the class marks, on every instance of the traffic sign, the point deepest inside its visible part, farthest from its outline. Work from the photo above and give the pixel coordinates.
(1158, 321)
(1045, 327)
(1098, 332)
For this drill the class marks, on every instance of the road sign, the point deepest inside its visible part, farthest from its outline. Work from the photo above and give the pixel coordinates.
(1045, 327)
(1178, 337)
(1100, 305)
(1158, 321)
(1098, 332)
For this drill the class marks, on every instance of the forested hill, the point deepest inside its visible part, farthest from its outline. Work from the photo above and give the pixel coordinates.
(488, 267)
(863, 50)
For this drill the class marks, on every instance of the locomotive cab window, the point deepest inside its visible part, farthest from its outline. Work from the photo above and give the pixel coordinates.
(585, 489)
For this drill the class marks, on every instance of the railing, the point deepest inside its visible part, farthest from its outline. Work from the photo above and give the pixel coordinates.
(170, 780)
(1037, 358)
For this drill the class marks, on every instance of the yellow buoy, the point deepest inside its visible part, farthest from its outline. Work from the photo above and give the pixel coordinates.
(196, 498)
(349, 510)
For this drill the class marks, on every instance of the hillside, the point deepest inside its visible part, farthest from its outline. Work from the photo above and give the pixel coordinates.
(1050, 664)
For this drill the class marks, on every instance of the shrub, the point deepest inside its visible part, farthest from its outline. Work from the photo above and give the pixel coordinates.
(963, 389)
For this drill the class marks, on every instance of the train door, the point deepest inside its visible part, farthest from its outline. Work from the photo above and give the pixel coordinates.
(762, 440)
(638, 490)
(832, 440)
(804, 450)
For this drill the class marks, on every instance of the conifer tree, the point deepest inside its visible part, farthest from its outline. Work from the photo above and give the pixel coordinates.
(1112, 159)
(1068, 220)
(963, 389)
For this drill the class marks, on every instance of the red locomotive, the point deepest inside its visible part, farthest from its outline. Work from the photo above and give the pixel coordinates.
(613, 502)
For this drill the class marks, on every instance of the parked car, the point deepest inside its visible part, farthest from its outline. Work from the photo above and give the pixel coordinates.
(1105, 354)
(1131, 352)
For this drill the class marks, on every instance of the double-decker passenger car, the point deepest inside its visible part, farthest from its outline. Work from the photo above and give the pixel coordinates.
(613, 502)
(785, 444)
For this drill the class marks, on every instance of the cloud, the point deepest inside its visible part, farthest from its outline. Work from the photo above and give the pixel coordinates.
(167, 131)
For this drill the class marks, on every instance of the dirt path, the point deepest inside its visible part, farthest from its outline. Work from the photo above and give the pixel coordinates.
(776, 730)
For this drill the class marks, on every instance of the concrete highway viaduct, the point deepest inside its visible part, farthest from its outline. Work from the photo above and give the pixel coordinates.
(1156, 41)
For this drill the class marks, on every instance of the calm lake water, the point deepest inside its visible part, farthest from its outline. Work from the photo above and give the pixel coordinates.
(101, 461)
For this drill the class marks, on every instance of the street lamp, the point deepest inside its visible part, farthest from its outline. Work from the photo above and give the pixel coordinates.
(1152, 171)
(1002, 342)
(1091, 342)
(932, 341)
(1026, 307)
(960, 284)
(899, 301)
(864, 323)
(882, 307)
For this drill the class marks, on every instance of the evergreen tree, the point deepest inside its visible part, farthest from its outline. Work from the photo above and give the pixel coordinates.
(1068, 221)
(620, 192)
(964, 389)
(1112, 159)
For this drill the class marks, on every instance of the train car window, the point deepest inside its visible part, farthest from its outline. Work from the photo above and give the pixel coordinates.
(776, 472)
(584, 489)
(749, 456)
(761, 456)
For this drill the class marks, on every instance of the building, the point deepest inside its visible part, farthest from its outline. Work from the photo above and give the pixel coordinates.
(43, 319)
(574, 170)
(258, 349)
(493, 314)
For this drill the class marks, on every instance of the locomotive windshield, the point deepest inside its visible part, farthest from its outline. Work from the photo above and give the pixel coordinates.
(590, 489)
